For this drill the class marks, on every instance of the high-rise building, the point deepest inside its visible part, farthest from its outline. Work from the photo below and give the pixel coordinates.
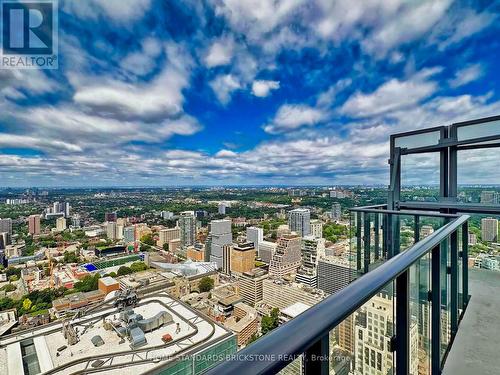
(167, 235)
(167, 215)
(286, 260)
(220, 234)
(255, 235)
(200, 214)
(111, 230)
(119, 231)
(334, 274)
(489, 197)
(251, 285)
(110, 216)
(6, 225)
(299, 221)
(5, 240)
(242, 258)
(266, 250)
(280, 295)
(61, 224)
(374, 328)
(34, 225)
(187, 226)
(66, 208)
(489, 229)
(129, 234)
(336, 212)
(75, 221)
(312, 249)
(472, 239)
(316, 228)
(222, 208)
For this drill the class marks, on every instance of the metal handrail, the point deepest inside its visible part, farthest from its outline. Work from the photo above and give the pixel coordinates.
(275, 350)
(380, 209)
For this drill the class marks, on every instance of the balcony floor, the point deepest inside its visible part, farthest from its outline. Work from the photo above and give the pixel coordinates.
(477, 344)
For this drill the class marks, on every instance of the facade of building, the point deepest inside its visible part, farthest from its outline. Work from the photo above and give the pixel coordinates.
(167, 235)
(244, 322)
(251, 288)
(129, 234)
(489, 197)
(226, 258)
(489, 229)
(312, 248)
(6, 225)
(317, 228)
(110, 216)
(266, 250)
(187, 228)
(34, 225)
(299, 221)
(287, 258)
(280, 295)
(334, 274)
(60, 224)
(196, 253)
(256, 236)
(336, 212)
(472, 239)
(220, 234)
(242, 258)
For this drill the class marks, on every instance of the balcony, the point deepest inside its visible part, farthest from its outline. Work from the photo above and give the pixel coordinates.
(409, 309)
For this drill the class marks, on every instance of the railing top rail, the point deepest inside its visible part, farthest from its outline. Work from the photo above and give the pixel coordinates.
(379, 209)
(275, 350)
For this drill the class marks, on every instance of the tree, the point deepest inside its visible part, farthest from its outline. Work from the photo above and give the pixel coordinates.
(138, 266)
(148, 239)
(165, 246)
(206, 284)
(70, 257)
(124, 270)
(27, 304)
(88, 283)
(270, 322)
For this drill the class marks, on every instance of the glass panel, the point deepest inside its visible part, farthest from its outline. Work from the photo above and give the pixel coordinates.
(420, 177)
(362, 342)
(293, 368)
(478, 130)
(420, 313)
(478, 175)
(418, 140)
(445, 297)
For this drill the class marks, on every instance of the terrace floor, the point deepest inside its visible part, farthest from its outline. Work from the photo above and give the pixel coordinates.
(476, 349)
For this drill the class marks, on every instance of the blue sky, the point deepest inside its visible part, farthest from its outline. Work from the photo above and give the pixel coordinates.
(247, 91)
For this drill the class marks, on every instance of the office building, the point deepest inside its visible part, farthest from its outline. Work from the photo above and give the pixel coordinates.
(299, 221)
(317, 228)
(75, 221)
(312, 249)
(34, 225)
(220, 235)
(276, 293)
(129, 234)
(244, 322)
(167, 215)
(251, 288)
(256, 236)
(266, 250)
(167, 235)
(60, 224)
(336, 212)
(5, 240)
(334, 274)
(287, 258)
(200, 214)
(489, 197)
(6, 225)
(222, 208)
(187, 227)
(66, 209)
(472, 239)
(242, 258)
(196, 253)
(111, 230)
(489, 229)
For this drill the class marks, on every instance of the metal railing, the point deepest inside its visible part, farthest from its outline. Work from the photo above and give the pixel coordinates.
(308, 333)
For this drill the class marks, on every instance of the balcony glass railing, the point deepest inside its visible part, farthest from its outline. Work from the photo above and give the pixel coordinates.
(399, 316)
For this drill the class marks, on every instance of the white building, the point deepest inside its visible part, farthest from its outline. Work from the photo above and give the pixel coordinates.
(489, 229)
(220, 235)
(317, 228)
(266, 250)
(299, 221)
(60, 224)
(255, 235)
(187, 225)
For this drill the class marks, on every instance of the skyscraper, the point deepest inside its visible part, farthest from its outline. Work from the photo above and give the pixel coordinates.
(489, 197)
(111, 230)
(60, 224)
(251, 286)
(110, 216)
(266, 250)
(286, 259)
(316, 228)
(6, 225)
(299, 221)
(187, 226)
(129, 234)
(220, 233)
(67, 208)
(242, 258)
(489, 229)
(334, 275)
(34, 225)
(336, 212)
(222, 208)
(255, 235)
(311, 249)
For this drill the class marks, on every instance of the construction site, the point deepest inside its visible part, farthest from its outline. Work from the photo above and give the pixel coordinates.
(155, 334)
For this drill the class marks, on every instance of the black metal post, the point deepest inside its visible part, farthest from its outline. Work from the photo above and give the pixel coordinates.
(403, 323)
(465, 264)
(316, 358)
(454, 282)
(366, 239)
(377, 236)
(358, 241)
(436, 311)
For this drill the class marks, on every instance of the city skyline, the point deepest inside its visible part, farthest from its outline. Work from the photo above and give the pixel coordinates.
(242, 93)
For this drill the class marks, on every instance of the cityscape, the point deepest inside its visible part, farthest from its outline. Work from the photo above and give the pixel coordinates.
(206, 187)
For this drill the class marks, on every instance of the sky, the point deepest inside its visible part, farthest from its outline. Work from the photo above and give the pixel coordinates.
(248, 92)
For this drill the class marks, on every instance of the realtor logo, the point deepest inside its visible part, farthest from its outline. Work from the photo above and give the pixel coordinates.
(29, 34)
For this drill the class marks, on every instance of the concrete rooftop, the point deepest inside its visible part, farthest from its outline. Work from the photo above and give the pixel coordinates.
(476, 346)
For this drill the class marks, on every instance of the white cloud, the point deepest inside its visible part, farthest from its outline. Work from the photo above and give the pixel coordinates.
(262, 88)
(294, 116)
(392, 95)
(120, 11)
(466, 75)
(143, 62)
(223, 87)
(219, 53)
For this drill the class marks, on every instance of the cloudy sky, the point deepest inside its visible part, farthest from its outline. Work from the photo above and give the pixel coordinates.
(246, 91)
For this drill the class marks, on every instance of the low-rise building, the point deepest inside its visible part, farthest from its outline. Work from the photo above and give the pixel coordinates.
(244, 323)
